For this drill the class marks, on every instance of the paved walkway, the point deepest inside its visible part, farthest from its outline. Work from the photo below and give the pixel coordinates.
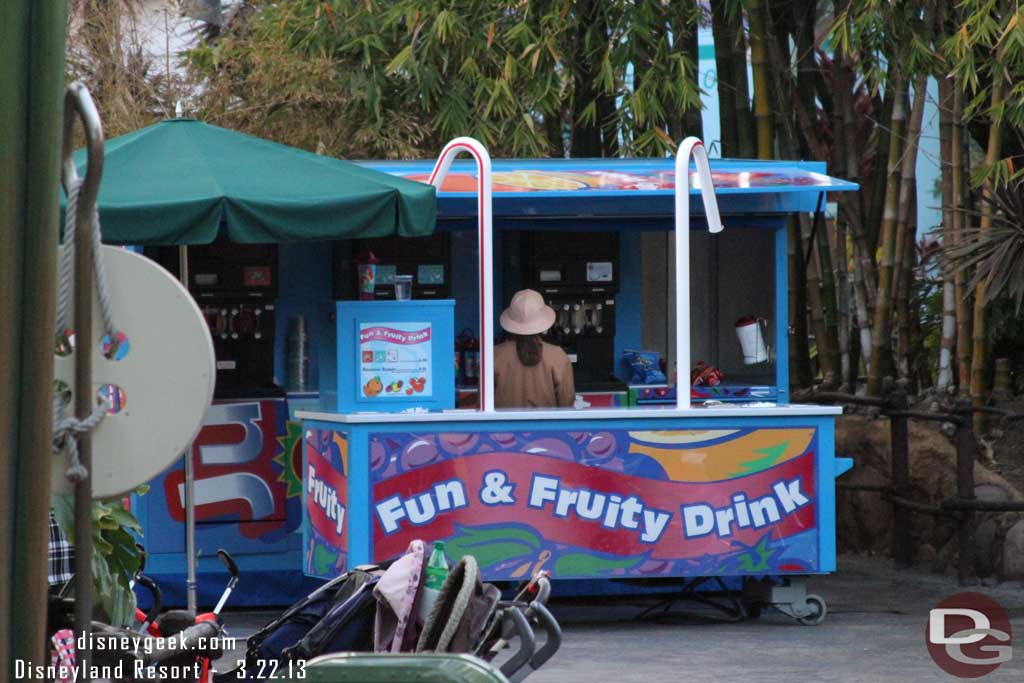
(874, 632)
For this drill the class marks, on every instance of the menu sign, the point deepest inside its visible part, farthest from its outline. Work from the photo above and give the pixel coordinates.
(395, 360)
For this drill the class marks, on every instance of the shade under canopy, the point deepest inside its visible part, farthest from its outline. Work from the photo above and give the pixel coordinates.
(177, 181)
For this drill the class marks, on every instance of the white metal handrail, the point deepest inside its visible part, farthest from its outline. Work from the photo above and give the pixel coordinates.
(690, 147)
(486, 253)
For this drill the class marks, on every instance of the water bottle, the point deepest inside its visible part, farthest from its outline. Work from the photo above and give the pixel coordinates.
(437, 573)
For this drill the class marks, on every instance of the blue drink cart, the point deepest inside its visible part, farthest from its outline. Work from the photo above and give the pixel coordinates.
(736, 489)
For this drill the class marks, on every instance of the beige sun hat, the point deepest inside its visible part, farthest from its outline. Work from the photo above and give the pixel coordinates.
(527, 314)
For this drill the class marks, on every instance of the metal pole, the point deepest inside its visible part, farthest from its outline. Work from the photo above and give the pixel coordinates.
(690, 147)
(78, 102)
(32, 93)
(486, 280)
(191, 585)
(965, 454)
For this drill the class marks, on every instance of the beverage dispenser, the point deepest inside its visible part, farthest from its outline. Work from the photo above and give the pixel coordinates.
(578, 275)
(235, 286)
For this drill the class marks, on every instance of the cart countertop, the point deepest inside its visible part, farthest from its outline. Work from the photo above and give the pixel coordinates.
(650, 412)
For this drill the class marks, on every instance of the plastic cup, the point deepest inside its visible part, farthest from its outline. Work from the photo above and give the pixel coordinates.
(403, 287)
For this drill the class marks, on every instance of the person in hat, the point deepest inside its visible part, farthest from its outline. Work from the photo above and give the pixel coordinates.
(528, 372)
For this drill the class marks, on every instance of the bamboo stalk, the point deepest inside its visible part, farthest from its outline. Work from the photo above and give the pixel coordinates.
(724, 34)
(979, 355)
(759, 65)
(860, 300)
(799, 356)
(945, 375)
(960, 171)
(862, 252)
(904, 228)
(828, 297)
(845, 125)
(845, 160)
(905, 267)
(842, 291)
(744, 117)
(880, 338)
(828, 360)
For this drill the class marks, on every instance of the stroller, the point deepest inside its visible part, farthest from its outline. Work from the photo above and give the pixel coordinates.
(469, 635)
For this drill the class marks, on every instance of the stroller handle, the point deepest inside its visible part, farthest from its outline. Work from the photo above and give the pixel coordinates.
(543, 589)
(517, 622)
(552, 631)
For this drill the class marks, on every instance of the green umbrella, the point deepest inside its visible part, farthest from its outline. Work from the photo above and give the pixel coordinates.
(174, 183)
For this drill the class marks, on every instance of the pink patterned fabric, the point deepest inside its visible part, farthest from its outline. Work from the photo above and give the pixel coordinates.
(396, 594)
(63, 655)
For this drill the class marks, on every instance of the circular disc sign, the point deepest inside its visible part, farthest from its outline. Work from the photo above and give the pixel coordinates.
(158, 385)
(969, 635)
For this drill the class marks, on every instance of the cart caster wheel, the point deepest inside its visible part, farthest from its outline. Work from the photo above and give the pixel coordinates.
(818, 613)
(752, 610)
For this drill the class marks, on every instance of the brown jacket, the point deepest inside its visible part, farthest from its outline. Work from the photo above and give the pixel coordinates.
(548, 384)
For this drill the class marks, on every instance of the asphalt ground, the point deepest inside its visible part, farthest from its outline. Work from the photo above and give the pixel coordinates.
(875, 631)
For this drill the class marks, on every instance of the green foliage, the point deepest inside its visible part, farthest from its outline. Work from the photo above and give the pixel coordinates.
(115, 558)
(398, 78)
(986, 45)
(996, 255)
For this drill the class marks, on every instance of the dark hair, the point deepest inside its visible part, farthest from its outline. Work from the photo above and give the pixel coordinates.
(528, 348)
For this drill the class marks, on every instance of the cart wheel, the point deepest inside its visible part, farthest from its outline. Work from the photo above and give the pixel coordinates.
(819, 611)
(752, 610)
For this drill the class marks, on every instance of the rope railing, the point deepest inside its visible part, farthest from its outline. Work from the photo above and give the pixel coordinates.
(960, 507)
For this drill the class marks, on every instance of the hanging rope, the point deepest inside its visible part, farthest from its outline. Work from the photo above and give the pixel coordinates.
(66, 428)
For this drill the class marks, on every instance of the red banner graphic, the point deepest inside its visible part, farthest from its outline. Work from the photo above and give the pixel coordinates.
(326, 492)
(589, 507)
(393, 336)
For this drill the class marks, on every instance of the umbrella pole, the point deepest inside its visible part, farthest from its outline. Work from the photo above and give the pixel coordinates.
(191, 584)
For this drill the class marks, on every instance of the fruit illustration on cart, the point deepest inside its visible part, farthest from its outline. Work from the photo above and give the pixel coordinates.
(394, 387)
(373, 387)
(418, 383)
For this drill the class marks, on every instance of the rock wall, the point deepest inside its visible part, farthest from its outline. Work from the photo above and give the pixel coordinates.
(864, 519)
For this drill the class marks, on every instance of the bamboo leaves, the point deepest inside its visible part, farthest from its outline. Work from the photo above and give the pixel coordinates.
(398, 78)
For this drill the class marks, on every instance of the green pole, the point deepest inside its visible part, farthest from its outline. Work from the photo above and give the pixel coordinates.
(31, 90)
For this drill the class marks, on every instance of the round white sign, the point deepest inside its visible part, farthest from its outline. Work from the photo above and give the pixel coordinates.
(158, 385)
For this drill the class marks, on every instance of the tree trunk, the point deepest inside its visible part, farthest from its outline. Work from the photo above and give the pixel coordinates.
(693, 121)
(746, 137)
(806, 64)
(759, 63)
(589, 138)
(945, 375)
(961, 171)
(979, 355)
(553, 133)
(881, 329)
(724, 33)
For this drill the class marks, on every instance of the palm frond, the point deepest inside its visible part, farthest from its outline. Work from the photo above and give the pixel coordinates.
(995, 255)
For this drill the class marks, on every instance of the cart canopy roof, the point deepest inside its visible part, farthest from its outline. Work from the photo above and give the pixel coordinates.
(179, 181)
(609, 188)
